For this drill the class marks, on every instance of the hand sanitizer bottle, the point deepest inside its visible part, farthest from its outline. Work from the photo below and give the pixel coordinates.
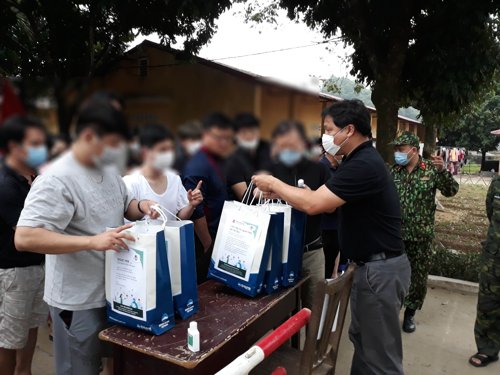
(193, 337)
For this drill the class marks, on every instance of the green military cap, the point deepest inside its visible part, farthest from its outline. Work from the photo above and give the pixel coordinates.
(406, 138)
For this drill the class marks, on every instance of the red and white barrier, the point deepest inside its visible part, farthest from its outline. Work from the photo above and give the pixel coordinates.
(265, 347)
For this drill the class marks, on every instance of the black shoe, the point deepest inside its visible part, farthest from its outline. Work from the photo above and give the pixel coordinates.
(409, 321)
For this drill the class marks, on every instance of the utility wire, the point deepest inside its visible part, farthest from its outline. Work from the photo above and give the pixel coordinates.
(246, 55)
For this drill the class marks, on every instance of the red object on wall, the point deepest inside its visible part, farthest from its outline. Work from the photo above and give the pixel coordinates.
(11, 104)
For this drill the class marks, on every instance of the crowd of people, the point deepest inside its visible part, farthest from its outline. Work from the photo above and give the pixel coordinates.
(56, 203)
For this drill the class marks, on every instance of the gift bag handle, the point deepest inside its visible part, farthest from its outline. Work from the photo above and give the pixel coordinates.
(248, 192)
(161, 211)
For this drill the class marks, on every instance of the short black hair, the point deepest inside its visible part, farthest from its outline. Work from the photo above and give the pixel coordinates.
(109, 96)
(245, 121)
(102, 117)
(190, 130)
(217, 120)
(151, 134)
(288, 126)
(351, 111)
(14, 130)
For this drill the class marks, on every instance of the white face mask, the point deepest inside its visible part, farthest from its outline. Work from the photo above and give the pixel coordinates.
(328, 142)
(248, 145)
(116, 156)
(163, 160)
(193, 147)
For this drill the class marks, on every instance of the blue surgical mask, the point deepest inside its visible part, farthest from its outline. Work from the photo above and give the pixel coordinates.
(36, 156)
(290, 157)
(401, 158)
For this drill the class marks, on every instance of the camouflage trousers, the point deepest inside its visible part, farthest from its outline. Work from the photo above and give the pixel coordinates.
(420, 255)
(487, 327)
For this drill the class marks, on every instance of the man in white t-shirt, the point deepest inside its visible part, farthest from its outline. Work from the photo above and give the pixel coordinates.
(154, 180)
(65, 216)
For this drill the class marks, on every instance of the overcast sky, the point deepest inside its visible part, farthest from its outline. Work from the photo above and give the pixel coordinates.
(299, 66)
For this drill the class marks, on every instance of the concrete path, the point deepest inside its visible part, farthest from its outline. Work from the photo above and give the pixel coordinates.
(442, 344)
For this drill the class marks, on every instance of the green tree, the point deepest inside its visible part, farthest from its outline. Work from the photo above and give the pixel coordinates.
(473, 130)
(64, 43)
(393, 41)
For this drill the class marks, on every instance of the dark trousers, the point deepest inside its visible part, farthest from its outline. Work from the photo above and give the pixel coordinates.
(331, 249)
(487, 327)
(378, 292)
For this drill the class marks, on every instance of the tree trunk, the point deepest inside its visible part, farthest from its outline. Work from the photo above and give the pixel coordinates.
(429, 139)
(483, 160)
(64, 113)
(385, 96)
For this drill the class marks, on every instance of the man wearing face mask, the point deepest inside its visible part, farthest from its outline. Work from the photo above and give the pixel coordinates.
(66, 214)
(364, 193)
(252, 155)
(23, 142)
(154, 180)
(290, 144)
(208, 165)
(417, 180)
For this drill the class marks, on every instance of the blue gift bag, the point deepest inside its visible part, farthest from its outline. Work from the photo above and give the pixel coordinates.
(273, 275)
(179, 237)
(293, 242)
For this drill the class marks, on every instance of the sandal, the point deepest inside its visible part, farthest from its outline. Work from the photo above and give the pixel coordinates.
(484, 359)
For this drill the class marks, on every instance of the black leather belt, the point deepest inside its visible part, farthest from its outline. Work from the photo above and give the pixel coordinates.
(384, 255)
(314, 245)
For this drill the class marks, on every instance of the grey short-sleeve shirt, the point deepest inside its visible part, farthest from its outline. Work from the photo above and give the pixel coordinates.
(69, 198)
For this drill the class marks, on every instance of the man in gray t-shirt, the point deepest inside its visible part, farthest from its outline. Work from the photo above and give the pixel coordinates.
(65, 216)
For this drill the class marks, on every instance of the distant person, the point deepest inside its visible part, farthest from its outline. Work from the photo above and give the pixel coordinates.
(417, 180)
(252, 155)
(22, 309)
(154, 180)
(487, 326)
(189, 135)
(290, 142)
(208, 165)
(66, 214)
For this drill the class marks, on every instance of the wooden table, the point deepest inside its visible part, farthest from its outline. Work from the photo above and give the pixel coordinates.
(229, 323)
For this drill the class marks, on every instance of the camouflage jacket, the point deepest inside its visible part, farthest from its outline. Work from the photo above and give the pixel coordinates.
(493, 212)
(417, 193)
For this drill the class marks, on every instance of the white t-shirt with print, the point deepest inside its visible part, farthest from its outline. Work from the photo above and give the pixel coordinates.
(173, 199)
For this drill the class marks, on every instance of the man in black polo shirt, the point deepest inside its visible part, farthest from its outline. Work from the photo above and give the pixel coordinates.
(369, 231)
(22, 141)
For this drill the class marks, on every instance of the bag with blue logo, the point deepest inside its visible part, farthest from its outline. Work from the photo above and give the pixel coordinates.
(293, 242)
(179, 236)
(138, 286)
(273, 275)
(242, 247)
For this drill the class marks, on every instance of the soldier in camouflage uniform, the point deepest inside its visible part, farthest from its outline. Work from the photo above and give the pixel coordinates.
(487, 327)
(417, 180)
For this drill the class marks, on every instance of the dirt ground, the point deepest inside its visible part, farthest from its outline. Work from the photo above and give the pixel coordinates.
(463, 224)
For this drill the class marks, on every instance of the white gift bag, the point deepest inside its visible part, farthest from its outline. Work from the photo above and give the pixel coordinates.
(138, 287)
(241, 249)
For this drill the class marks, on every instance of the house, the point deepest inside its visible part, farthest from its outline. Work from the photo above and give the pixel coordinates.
(159, 87)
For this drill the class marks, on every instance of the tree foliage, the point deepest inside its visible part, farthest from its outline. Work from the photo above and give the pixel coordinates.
(434, 55)
(473, 130)
(65, 42)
